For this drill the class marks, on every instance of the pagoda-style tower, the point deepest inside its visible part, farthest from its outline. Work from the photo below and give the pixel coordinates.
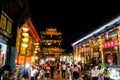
(51, 42)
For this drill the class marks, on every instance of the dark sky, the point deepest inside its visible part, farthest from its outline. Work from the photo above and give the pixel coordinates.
(73, 19)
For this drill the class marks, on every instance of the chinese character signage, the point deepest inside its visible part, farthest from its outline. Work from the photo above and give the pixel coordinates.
(6, 23)
(3, 22)
(110, 44)
(9, 27)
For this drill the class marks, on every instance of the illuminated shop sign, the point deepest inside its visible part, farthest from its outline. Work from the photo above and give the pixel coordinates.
(22, 59)
(5, 24)
(110, 44)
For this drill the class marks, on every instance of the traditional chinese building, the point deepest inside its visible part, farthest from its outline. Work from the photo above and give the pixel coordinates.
(10, 12)
(51, 43)
(5, 37)
(27, 43)
(102, 44)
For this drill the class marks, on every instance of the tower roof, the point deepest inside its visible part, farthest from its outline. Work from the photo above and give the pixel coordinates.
(51, 31)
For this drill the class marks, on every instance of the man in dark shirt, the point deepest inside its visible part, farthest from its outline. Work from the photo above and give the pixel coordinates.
(52, 69)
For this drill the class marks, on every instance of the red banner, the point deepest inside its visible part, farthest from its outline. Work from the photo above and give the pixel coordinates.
(110, 44)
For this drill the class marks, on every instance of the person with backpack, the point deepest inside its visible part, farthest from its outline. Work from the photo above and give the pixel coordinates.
(75, 71)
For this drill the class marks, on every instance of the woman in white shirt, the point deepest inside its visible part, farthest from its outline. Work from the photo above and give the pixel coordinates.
(64, 70)
(33, 72)
(94, 73)
(68, 72)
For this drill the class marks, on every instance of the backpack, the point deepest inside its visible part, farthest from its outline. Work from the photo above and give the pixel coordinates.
(76, 75)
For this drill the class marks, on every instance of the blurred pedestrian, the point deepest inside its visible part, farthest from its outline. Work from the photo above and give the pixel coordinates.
(58, 70)
(41, 75)
(64, 67)
(52, 70)
(47, 71)
(94, 73)
(76, 76)
(106, 74)
(68, 72)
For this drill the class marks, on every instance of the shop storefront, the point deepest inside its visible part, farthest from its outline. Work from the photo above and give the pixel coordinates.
(104, 44)
(27, 43)
(3, 52)
(111, 48)
(85, 54)
(5, 37)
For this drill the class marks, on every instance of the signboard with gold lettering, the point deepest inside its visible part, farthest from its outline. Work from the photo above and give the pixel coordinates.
(3, 22)
(9, 27)
(6, 24)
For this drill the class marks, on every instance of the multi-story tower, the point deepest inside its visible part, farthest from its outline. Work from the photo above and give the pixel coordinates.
(51, 43)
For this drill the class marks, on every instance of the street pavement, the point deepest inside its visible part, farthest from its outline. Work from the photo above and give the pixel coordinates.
(59, 78)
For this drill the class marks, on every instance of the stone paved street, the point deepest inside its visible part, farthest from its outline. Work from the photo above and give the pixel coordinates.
(59, 78)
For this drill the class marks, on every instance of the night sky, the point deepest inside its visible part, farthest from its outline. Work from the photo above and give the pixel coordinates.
(73, 19)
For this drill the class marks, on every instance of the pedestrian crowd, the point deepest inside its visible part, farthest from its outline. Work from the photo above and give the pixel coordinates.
(55, 70)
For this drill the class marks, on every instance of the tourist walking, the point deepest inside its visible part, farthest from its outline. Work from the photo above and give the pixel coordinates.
(52, 70)
(94, 73)
(106, 74)
(41, 75)
(64, 67)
